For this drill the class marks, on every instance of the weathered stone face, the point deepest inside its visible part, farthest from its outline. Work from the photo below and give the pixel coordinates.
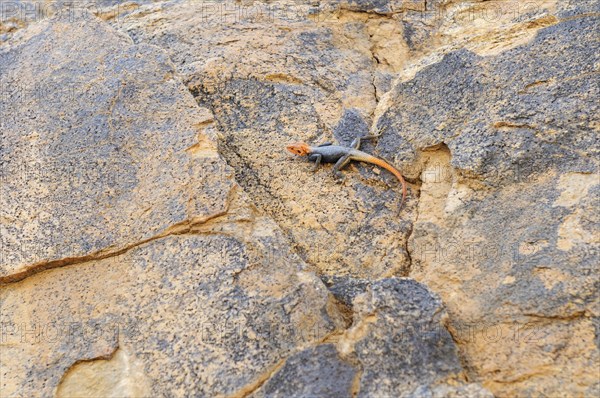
(193, 300)
(404, 343)
(79, 161)
(507, 213)
(315, 371)
(158, 240)
(518, 112)
(311, 81)
(397, 345)
(170, 281)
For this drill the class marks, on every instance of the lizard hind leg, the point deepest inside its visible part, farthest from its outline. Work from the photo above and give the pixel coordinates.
(357, 141)
(340, 164)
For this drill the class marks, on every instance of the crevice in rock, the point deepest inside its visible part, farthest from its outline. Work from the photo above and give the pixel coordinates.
(434, 168)
(355, 389)
(534, 84)
(345, 311)
(245, 176)
(511, 125)
(409, 237)
(462, 358)
(244, 173)
(570, 317)
(358, 331)
(350, 11)
(112, 13)
(374, 93)
(258, 383)
(436, 176)
(580, 16)
(181, 228)
(255, 385)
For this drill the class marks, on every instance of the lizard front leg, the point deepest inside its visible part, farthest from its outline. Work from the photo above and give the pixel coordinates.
(340, 164)
(316, 157)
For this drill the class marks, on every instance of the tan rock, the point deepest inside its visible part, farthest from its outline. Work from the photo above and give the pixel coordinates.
(150, 274)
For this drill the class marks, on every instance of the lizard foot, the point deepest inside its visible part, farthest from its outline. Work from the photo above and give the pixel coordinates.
(340, 178)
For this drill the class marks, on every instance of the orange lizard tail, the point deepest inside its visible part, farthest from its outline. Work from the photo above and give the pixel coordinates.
(390, 168)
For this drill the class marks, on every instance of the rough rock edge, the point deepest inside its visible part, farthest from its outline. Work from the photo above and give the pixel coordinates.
(181, 228)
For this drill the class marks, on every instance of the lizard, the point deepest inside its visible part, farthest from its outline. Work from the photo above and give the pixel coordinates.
(342, 155)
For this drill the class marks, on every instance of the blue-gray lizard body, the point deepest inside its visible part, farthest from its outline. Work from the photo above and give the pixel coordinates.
(341, 156)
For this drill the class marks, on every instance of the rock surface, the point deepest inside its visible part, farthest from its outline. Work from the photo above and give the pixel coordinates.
(314, 372)
(397, 346)
(300, 80)
(399, 339)
(170, 281)
(89, 180)
(508, 205)
(157, 240)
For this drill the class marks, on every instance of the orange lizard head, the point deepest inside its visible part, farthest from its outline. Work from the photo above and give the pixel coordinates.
(299, 148)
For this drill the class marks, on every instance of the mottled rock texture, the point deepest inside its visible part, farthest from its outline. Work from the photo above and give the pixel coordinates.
(314, 372)
(166, 270)
(399, 340)
(157, 240)
(507, 230)
(83, 174)
(300, 80)
(397, 346)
